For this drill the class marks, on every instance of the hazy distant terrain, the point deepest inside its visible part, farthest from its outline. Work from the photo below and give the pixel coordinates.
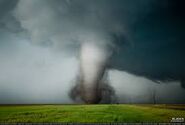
(90, 113)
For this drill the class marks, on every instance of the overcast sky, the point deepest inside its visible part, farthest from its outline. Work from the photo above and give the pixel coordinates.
(40, 42)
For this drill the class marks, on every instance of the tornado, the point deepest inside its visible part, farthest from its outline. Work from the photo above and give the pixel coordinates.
(90, 87)
(92, 66)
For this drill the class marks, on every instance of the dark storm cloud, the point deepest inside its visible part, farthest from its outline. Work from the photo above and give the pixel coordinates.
(152, 41)
(157, 44)
(7, 20)
(145, 37)
(6, 6)
(9, 26)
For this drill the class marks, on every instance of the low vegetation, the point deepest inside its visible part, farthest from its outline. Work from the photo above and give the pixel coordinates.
(90, 113)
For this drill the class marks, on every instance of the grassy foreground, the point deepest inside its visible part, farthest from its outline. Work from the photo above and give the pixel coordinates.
(90, 113)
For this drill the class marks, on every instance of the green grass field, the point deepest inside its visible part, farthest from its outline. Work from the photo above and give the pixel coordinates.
(90, 113)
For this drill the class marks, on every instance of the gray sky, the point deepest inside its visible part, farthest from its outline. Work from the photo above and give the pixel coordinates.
(40, 42)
